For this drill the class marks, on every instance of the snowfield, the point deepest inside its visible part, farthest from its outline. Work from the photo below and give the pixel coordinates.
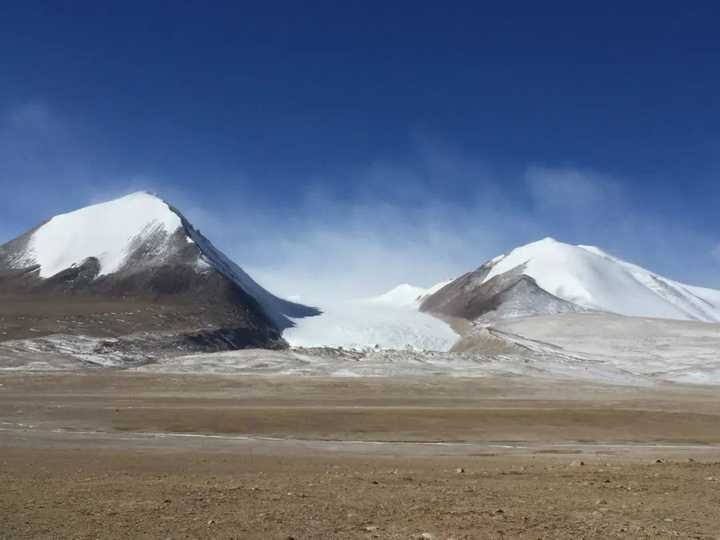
(389, 321)
(659, 349)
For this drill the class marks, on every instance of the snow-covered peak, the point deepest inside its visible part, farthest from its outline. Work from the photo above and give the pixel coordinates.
(105, 231)
(402, 295)
(591, 278)
(548, 240)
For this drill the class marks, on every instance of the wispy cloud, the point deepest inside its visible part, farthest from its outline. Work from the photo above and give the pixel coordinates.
(570, 189)
(43, 166)
(715, 252)
(419, 221)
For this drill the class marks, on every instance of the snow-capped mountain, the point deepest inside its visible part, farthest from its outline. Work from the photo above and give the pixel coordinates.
(542, 278)
(404, 295)
(548, 276)
(139, 249)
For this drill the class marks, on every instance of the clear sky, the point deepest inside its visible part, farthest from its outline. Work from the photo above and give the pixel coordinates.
(356, 145)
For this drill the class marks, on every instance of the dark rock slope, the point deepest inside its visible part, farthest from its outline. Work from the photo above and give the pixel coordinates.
(511, 294)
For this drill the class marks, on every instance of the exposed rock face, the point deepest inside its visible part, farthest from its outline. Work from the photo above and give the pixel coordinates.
(512, 294)
(134, 265)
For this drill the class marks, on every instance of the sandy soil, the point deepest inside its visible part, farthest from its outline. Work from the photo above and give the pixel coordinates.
(103, 454)
(86, 493)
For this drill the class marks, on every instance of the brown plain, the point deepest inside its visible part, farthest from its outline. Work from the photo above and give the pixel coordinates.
(106, 454)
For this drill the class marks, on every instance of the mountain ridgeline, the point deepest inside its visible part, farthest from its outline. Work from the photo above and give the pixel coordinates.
(134, 276)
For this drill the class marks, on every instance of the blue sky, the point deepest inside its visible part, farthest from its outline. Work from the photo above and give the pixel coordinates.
(362, 144)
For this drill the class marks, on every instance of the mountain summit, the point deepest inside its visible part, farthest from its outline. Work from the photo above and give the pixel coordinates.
(140, 256)
(548, 276)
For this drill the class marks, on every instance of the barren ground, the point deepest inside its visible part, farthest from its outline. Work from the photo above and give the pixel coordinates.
(108, 454)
